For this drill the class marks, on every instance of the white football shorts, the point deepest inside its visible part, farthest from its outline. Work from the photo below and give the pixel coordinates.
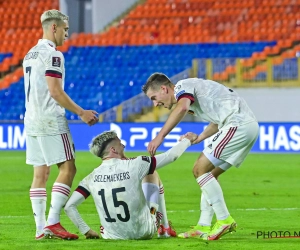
(147, 230)
(232, 145)
(49, 150)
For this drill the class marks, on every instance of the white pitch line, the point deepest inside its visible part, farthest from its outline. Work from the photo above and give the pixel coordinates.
(179, 211)
(266, 209)
(245, 209)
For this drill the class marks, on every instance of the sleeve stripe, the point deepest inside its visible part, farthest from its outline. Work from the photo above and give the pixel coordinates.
(53, 73)
(83, 191)
(187, 95)
(152, 165)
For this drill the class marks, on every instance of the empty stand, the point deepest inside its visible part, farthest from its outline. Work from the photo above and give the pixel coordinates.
(105, 69)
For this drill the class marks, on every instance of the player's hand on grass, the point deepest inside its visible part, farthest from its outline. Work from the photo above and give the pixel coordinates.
(154, 144)
(89, 117)
(191, 136)
(91, 235)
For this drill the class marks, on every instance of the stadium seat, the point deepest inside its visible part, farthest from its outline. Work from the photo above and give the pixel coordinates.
(103, 70)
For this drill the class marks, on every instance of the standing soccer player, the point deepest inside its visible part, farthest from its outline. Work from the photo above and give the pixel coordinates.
(125, 191)
(48, 137)
(237, 131)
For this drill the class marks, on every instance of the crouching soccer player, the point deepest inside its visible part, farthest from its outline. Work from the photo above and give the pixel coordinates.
(125, 191)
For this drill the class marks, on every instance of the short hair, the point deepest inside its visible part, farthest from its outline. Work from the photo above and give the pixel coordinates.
(155, 81)
(100, 142)
(53, 16)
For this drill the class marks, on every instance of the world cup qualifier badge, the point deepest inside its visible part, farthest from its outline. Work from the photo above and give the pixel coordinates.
(146, 158)
(56, 61)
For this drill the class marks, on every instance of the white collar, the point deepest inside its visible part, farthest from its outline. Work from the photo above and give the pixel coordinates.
(52, 44)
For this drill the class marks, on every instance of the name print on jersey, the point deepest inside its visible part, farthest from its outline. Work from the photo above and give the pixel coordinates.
(112, 178)
(31, 55)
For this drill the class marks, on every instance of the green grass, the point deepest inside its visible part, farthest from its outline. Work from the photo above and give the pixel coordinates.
(265, 181)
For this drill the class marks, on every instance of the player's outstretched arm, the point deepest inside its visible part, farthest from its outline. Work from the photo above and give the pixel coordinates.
(210, 130)
(72, 212)
(59, 95)
(175, 152)
(174, 118)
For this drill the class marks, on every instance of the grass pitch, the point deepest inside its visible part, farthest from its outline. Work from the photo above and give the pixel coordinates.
(263, 196)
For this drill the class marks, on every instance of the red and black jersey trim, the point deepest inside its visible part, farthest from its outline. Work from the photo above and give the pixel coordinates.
(53, 73)
(187, 95)
(152, 165)
(83, 191)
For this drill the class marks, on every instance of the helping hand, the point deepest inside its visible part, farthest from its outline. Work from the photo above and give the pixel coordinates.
(154, 144)
(89, 117)
(191, 136)
(91, 235)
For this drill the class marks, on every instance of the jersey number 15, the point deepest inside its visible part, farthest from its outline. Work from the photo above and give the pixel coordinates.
(117, 203)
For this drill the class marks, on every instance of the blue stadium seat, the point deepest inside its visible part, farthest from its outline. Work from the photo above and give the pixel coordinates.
(4, 55)
(102, 77)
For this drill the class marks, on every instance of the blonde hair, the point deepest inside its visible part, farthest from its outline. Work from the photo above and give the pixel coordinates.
(99, 143)
(53, 16)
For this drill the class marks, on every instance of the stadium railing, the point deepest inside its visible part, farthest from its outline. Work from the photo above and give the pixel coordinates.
(240, 72)
(135, 106)
(232, 72)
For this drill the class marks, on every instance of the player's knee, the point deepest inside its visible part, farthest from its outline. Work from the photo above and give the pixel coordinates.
(71, 171)
(68, 168)
(198, 169)
(152, 178)
(74, 170)
(41, 176)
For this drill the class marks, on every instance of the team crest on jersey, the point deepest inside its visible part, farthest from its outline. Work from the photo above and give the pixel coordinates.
(180, 93)
(56, 61)
(146, 158)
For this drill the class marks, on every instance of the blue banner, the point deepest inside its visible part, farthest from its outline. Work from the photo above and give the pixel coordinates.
(273, 137)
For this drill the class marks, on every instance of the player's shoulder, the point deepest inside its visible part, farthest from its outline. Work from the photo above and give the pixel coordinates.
(140, 158)
(48, 49)
(87, 179)
(183, 84)
(188, 82)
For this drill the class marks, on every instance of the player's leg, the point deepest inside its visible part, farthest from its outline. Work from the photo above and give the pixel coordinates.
(203, 226)
(212, 191)
(229, 147)
(214, 196)
(206, 209)
(38, 194)
(61, 190)
(165, 229)
(150, 186)
(59, 150)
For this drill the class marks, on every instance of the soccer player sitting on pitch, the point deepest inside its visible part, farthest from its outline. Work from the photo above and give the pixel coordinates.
(125, 191)
(236, 131)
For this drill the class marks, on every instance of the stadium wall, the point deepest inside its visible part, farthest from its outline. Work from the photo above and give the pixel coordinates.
(273, 104)
(273, 137)
(93, 15)
(268, 104)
